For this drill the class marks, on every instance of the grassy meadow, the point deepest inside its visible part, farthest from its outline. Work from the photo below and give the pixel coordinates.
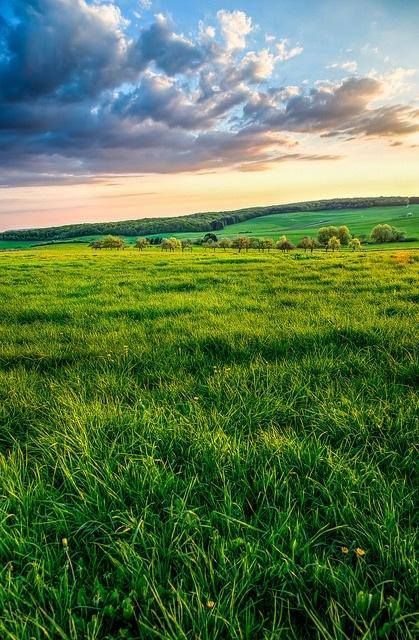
(208, 445)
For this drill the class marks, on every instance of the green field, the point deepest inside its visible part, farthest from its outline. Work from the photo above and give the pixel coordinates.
(295, 225)
(360, 222)
(208, 446)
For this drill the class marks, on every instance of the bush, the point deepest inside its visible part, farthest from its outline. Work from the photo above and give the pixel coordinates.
(385, 233)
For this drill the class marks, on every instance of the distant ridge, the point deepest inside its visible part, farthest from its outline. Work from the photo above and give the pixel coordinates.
(197, 222)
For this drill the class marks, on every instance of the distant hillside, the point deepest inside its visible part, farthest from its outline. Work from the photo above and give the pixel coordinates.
(197, 222)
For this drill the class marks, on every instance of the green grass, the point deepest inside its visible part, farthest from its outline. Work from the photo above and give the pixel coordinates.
(207, 431)
(360, 222)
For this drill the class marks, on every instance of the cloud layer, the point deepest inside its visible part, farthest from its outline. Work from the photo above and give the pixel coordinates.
(82, 95)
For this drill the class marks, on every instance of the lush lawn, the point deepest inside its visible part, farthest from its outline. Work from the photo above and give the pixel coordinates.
(201, 446)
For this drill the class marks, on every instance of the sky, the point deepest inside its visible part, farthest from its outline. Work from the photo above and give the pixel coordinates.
(143, 108)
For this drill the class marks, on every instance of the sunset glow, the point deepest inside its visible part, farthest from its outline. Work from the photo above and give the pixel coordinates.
(136, 109)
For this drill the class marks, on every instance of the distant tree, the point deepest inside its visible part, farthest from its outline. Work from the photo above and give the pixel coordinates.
(355, 244)
(266, 244)
(325, 233)
(254, 243)
(308, 244)
(112, 242)
(210, 244)
(170, 244)
(96, 244)
(385, 233)
(284, 244)
(210, 236)
(224, 243)
(186, 244)
(141, 243)
(344, 236)
(241, 244)
(333, 244)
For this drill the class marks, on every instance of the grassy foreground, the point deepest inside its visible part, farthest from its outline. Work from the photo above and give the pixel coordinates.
(207, 445)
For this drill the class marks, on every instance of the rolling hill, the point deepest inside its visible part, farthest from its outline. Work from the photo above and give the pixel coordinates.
(269, 218)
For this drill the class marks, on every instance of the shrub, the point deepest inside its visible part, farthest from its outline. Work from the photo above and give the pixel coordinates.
(385, 233)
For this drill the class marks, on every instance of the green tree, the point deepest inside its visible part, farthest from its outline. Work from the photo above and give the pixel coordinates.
(96, 244)
(224, 243)
(241, 244)
(385, 233)
(325, 233)
(284, 244)
(344, 235)
(141, 243)
(308, 244)
(333, 244)
(186, 244)
(266, 244)
(355, 244)
(170, 244)
(112, 242)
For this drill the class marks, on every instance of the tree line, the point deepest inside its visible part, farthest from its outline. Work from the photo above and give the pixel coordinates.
(329, 238)
(197, 222)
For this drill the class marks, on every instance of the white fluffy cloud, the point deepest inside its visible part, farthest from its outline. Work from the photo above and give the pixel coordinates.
(235, 26)
(285, 51)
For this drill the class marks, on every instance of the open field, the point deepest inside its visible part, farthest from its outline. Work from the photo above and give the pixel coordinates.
(295, 225)
(207, 445)
(360, 222)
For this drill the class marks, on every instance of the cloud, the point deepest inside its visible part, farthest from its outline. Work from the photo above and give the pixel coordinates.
(85, 94)
(332, 110)
(63, 46)
(172, 53)
(351, 66)
(235, 27)
(286, 52)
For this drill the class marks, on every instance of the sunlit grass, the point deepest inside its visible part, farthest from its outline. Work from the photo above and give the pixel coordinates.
(207, 445)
